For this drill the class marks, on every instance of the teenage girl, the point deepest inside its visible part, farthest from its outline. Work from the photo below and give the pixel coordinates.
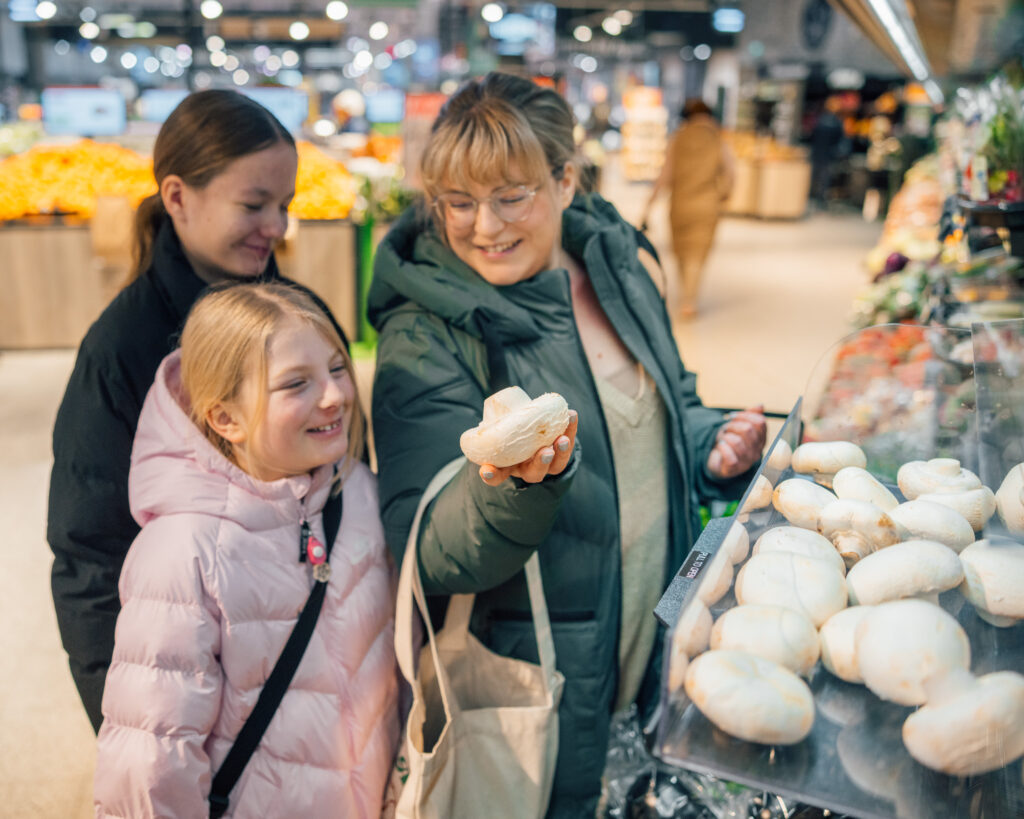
(244, 434)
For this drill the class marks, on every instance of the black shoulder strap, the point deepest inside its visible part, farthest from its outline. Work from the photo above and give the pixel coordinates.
(277, 683)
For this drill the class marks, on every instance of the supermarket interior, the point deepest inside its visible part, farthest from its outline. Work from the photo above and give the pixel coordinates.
(864, 284)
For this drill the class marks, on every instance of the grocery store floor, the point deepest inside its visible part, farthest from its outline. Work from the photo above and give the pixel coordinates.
(776, 296)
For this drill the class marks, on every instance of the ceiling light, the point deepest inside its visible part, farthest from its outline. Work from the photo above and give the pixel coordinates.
(611, 26)
(211, 9)
(290, 59)
(90, 31)
(702, 51)
(145, 30)
(214, 43)
(362, 60)
(151, 64)
(240, 77)
(218, 58)
(62, 47)
(624, 16)
(583, 33)
(336, 10)
(129, 60)
(298, 30)
(887, 17)
(46, 10)
(382, 61)
(87, 14)
(492, 12)
(231, 62)
(98, 54)
(379, 30)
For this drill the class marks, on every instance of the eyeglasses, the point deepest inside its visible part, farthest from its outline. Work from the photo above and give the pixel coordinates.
(458, 210)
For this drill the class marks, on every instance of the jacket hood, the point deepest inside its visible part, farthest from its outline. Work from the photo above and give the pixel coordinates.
(415, 267)
(176, 470)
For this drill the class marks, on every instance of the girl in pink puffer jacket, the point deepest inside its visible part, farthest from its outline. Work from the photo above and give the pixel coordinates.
(239, 444)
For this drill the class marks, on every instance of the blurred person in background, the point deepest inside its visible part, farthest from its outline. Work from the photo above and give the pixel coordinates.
(225, 169)
(512, 275)
(698, 175)
(827, 138)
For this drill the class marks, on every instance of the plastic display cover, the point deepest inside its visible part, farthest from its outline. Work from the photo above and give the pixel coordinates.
(902, 394)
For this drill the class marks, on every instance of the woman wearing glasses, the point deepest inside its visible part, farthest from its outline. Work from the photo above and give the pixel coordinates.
(516, 277)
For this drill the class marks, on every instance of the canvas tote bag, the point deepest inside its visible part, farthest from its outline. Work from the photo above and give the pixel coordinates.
(482, 735)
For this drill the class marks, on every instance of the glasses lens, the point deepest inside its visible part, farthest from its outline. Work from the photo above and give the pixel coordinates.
(513, 205)
(457, 211)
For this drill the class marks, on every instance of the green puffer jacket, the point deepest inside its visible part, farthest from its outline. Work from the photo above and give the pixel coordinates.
(434, 370)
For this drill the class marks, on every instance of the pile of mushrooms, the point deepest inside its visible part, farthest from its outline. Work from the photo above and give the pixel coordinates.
(944, 481)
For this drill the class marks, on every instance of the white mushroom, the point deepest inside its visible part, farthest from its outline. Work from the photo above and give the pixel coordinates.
(802, 542)
(854, 483)
(994, 580)
(736, 542)
(693, 630)
(760, 496)
(902, 643)
(715, 578)
(775, 633)
(976, 505)
(838, 643)
(811, 587)
(800, 501)
(678, 663)
(857, 528)
(908, 569)
(917, 478)
(823, 459)
(514, 427)
(780, 457)
(927, 520)
(968, 726)
(751, 698)
(1010, 499)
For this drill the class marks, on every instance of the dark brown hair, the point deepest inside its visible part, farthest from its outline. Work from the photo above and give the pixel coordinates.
(202, 136)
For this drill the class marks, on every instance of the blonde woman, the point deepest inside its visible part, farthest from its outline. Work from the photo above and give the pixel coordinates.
(244, 434)
(512, 275)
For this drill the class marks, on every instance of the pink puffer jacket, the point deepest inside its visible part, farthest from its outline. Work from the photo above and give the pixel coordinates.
(210, 591)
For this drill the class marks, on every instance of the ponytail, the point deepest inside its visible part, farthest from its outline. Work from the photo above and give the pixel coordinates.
(148, 219)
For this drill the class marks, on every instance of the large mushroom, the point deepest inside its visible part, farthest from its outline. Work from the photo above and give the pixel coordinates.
(854, 483)
(823, 459)
(811, 587)
(736, 543)
(800, 501)
(780, 457)
(917, 478)
(994, 580)
(693, 629)
(773, 632)
(838, 643)
(927, 520)
(902, 643)
(1010, 499)
(802, 542)
(750, 697)
(857, 528)
(976, 505)
(715, 577)
(759, 497)
(913, 568)
(514, 427)
(968, 726)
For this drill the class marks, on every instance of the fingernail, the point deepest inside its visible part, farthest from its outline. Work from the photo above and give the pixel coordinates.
(487, 476)
(563, 445)
(547, 457)
(572, 413)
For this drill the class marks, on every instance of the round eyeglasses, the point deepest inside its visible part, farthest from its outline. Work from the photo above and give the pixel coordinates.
(513, 204)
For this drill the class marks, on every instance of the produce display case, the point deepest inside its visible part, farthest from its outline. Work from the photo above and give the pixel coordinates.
(853, 758)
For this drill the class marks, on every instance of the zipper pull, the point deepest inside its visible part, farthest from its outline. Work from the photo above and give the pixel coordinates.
(304, 537)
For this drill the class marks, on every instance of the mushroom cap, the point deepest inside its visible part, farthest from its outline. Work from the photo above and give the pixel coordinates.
(907, 569)
(824, 459)
(775, 633)
(846, 517)
(716, 577)
(802, 542)
(736, 542)
(693, 629)
(975, 728)
(678, 663)
(902, 643)
(512, 431)
(800, 501)
(854, 483)
(781, 456)
(976, 505)
(760, 495)
(750, 697)
(809, 586)
(1010, 499)
(917, 478)
(838, 645)
(927, 520)
(994, 576)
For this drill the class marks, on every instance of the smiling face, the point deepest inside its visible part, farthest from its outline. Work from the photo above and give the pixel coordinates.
(229, 227)
(302, 420)
(503, 252)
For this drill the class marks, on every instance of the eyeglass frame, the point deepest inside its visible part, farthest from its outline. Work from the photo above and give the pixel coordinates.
(436, 205)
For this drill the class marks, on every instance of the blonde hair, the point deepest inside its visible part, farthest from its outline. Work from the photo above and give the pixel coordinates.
(493, 123)
(225, 341)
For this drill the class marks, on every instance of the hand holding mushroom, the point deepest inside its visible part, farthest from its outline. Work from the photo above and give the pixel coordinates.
(520, 438)
(738, 444)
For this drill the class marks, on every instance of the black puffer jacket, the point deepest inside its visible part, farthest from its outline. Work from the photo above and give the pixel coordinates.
(89, 526)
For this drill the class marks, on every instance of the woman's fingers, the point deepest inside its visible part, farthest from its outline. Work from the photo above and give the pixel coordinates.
(563, 446)
(548, 460)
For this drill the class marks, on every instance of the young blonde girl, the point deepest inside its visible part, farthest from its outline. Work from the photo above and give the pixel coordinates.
(247, 430)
